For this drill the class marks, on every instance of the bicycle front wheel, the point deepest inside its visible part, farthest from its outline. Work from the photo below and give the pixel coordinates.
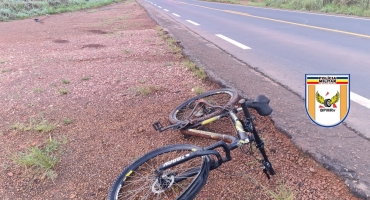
(183, 181)
(204, 106)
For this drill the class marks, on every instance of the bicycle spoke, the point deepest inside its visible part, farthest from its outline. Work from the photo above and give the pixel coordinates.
(143, 183)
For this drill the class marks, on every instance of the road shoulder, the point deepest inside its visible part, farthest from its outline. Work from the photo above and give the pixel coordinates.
(338, 149)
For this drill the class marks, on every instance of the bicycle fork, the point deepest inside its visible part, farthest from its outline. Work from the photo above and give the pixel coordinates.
(267, 166)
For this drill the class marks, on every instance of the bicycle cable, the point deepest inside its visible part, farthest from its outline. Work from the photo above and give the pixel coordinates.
(249, 152)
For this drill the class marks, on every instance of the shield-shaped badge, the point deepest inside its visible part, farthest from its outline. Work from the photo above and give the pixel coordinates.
(327, 98)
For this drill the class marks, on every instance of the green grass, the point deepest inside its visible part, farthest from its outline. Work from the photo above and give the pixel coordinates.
(65, 81)
(67, 121)
(92, 11)
(127, 51)
(44, 126)
(63, 91)
(38, 90)
(34, 125)
(142, 81)
(146, 90)
(5, 70)
(85, 78)
(282, 193)
(18, 9)
(41, 160)
(171, 42)
(168, 64)
(198, 90)
(41, 125)
(199, 72)
(354, 7)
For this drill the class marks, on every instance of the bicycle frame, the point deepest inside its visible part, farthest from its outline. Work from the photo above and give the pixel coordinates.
(243, 139)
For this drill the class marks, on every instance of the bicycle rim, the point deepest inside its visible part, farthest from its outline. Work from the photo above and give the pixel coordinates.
(205, 105)
(139, 180)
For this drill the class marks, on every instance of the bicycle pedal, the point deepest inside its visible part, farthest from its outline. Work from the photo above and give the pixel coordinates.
(157, 126)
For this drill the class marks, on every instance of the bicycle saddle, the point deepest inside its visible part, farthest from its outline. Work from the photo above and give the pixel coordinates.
(261, 105)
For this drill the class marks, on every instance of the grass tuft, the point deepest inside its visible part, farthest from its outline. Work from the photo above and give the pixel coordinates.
(168, 64)
(198, 90)
(42, 126)
(63, 91)
(41, 161)
(143, 80)
(200, 73)
(146, 90)
(282, 193)
(126, 51)
(67, 121)
(65, 81)
(85, 78)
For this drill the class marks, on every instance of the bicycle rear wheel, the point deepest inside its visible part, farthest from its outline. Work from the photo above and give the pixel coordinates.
(204, 106)
(183, 181)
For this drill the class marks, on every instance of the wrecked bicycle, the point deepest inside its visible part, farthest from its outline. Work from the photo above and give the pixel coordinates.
(180, 171)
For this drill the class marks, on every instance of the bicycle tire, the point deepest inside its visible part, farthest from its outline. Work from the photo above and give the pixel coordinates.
(227, 98)
(126, 180)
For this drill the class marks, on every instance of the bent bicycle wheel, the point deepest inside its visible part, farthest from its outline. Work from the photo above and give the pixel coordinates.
(183, 181)
(204, 106)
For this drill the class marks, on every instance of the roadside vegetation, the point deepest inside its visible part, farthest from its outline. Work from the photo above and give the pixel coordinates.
(34, 125)
(41, 161)
(347, 7)
(177, 50)
(20, 9)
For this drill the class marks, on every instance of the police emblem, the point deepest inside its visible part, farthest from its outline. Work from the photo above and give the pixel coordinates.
(327, 98)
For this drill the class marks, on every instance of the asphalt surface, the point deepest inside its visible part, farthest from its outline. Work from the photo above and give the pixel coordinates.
(287, 45)
(274, 64)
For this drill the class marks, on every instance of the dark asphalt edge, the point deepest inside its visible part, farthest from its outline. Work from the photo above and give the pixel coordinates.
(350, 177)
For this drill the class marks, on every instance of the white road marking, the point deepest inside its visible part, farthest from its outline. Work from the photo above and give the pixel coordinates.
(165, 10)
(360, 100)
(159, 7)
(196, 24)
(176, 15)
(233, 42)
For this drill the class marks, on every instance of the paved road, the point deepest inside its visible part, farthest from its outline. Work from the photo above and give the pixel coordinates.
(275, 47)
(286, 45)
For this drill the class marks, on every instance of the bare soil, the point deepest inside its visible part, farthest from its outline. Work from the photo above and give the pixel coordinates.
(109, 55)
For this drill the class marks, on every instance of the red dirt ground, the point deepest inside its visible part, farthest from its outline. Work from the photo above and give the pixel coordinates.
(108, 55)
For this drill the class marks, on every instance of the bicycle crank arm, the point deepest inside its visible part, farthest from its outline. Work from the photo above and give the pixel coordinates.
(158, 126)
